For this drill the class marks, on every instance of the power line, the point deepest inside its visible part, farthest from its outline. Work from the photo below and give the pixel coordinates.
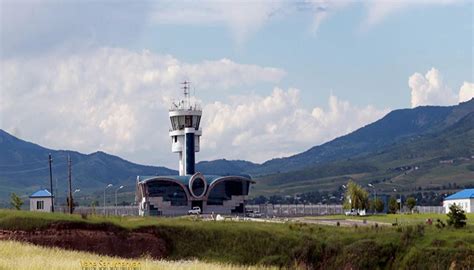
(25, 164)
(31, 170)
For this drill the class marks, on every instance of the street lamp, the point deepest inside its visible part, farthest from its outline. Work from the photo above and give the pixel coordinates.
(116, 198)
(77, 190)
(109, 185)
(400, 200)
(375, 196)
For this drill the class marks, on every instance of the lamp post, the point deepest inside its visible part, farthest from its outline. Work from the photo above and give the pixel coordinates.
(400, 200)
(375, 196)
(109, 185)
(116, 198)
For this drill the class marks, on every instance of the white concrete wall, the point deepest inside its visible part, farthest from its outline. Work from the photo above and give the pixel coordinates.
(466, 204)
(46, 202)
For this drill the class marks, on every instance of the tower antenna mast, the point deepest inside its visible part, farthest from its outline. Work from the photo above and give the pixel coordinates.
(186, 88)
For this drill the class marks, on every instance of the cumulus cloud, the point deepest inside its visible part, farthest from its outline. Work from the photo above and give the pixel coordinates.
(430, 89)
(108, 99)
(258, 128)
(466, 92)
(117, 100)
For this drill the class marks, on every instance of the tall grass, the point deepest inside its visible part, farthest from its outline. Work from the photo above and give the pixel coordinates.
(21, 256)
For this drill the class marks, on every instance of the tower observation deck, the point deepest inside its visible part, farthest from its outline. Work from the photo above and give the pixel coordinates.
(185, 117)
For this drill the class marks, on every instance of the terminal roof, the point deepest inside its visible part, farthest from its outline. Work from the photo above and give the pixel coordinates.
(185, 178)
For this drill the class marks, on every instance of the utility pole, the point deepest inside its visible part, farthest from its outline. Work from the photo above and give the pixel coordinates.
(50, 160)
(70, 184)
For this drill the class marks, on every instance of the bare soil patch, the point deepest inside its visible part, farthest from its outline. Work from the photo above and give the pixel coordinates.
(101, 239)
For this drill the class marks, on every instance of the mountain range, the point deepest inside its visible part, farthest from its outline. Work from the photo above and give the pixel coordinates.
(406, 148)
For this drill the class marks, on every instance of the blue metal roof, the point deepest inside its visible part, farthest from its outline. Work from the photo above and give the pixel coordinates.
(41, 193)
(463, 194)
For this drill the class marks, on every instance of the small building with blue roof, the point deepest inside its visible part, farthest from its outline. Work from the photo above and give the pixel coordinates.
(463, 198)
(40, 201)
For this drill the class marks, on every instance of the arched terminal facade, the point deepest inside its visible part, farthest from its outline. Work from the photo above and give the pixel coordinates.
(175, 195)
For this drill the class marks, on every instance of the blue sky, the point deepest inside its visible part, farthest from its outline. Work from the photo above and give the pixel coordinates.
(374, 61)
(274, 77)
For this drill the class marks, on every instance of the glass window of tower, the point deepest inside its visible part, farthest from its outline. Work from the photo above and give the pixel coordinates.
(181, 122)
(189, 121)
(196, 120)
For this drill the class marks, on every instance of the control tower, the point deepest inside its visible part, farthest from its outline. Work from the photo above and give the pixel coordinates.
(190, 191)
(185, 117)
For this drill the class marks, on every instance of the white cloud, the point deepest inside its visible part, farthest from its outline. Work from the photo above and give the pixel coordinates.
(117, 101)
(323, 9)
(31, 27)
(430, 89)
(35, 27)
(378, 10)
(466, 92)
(108, 99)
(258, 128)
(241, 17)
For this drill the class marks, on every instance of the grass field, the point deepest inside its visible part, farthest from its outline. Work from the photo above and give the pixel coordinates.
(411, 246)
(21, 256)
(404, 219)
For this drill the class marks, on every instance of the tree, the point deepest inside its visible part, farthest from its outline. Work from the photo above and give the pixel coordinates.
(356, 197)
(378, 205)
(411, 202)
(16, 201)
(456, 216)
(392, 205)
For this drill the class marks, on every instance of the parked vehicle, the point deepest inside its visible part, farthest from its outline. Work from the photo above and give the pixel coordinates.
(253, 214)
(195, 211)
(356, 212)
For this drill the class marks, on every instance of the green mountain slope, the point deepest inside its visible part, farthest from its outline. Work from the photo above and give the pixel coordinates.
(394, 127)
(24, 168)
(435, 160)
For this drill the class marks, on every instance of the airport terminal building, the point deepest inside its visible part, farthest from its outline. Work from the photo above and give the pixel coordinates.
(176, 195)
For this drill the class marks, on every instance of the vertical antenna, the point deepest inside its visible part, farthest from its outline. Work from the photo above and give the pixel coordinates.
(186, 88)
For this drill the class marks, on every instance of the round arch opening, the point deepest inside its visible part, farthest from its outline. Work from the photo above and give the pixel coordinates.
(198, 186)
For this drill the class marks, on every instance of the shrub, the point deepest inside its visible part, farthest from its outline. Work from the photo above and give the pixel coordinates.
(376, 205)
(392, 205)
(440, 224)
(411, 203)
(456, 216)
(16, 201)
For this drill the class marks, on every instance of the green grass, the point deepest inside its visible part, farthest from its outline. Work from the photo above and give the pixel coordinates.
(252, 243)
(406, 219)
